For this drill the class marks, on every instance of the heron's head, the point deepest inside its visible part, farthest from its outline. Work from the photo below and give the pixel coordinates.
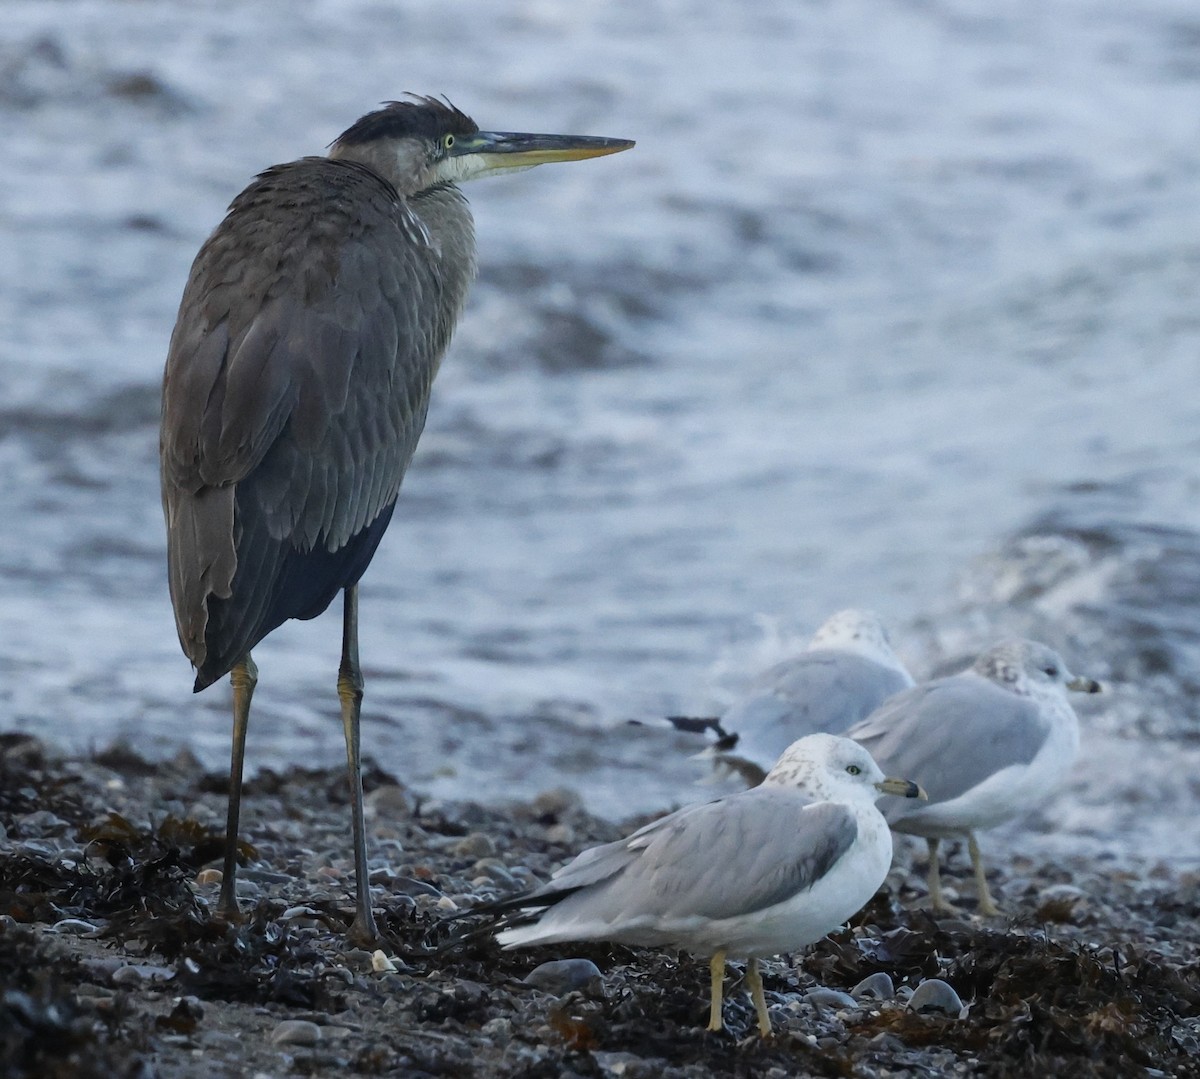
(420, 142)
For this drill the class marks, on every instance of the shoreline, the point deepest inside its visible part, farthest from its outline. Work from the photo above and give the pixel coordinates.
(111, 963)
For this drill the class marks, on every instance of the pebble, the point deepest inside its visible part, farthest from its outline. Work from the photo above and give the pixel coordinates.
(296, 1032)
(556, 802)
(936, 997)
(495, 870)
(412, 886)
(446, 903)
(209, 876)
(72, 927)
(140, 973)
(380, 963)
(562, 976)
(42, 823)
(877, 986)
(474, 845)
(830, 998)
(389, 801)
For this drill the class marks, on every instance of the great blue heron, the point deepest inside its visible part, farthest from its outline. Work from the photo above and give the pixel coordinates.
(296, 386)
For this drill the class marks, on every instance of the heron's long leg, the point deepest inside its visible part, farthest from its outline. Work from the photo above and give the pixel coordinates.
(716, 969)
(935, 877)
(350, 690)
(244, 677)
(986, 907)
(754, 980)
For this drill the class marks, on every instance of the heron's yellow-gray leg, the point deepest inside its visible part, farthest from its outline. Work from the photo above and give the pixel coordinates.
(754, 980)
(244, 677)
(935, 878)
(350, 690)
(716, 970)
(986, 907)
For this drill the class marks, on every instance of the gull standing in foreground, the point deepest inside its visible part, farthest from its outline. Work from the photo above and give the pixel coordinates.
(847, 670)
(763, 871)
(987, 744)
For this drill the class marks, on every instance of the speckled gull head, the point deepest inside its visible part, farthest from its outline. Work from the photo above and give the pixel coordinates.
(857, 631)
(832, 769)
(1030, 669)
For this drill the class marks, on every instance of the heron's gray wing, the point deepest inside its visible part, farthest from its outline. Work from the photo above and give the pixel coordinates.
(296, 382)
(725, 858)
(951, 735)
(819, 691)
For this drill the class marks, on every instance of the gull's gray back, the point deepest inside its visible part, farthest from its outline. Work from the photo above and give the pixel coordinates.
(951, 735)
(818, 691)
(718, 860)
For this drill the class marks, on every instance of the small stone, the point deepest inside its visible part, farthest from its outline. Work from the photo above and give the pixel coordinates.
(936, 997)
(500, 1027)
(561, 833)
(389, 801)
(380, 963)
(446, 903)
(562, 976)
(412, 886)
(830, 998)
(877, 986)
(209, 876)
(72, 927)
(495, 870)
(296, 1032)
(474, 845)
(556, 802)
(140, 973)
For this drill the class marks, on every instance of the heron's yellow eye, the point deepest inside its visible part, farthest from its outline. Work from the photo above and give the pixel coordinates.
(447, 142)
(853, 769)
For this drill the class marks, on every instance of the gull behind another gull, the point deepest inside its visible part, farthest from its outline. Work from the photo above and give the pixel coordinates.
(987, 744)
(760, 872)
(846, 671)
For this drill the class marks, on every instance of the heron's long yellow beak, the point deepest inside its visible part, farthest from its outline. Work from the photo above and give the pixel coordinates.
(904, 788)
(516, 150)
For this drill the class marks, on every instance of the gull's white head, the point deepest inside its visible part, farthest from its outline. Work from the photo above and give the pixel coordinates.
(860, 632)
(1028, 668)
(829, 768)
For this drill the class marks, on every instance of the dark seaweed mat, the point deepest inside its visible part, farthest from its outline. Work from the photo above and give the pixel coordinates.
(46, 1030)
(1038, 1004)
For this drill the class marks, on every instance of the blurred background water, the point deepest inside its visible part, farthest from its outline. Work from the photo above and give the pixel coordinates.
(894, 305)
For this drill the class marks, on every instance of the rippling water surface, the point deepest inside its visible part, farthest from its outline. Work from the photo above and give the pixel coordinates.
(894, 304)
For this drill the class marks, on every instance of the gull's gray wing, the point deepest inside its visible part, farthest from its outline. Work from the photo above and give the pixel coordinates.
(951, 735)
(818, 691)
(725, 858)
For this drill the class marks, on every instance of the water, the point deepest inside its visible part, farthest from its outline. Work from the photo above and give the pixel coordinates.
(883, 287)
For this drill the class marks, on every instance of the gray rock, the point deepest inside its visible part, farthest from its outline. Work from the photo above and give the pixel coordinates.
(830, 998)
(474, 845)
(296, 1032)
(936, 997)
(72, 927)
(563, 976)
(877, 986)
(140, 973)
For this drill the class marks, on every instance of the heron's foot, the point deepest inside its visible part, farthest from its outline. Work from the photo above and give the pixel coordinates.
(363, 932)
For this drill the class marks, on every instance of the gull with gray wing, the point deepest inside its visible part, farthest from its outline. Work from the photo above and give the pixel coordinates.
(987, 744)
(846, 671)
(760, 872)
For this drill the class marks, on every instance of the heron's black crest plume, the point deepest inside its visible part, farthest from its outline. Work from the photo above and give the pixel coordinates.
(421, 117)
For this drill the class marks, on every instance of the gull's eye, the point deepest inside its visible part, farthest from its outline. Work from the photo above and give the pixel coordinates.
(1052, 671)
(853, 770)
